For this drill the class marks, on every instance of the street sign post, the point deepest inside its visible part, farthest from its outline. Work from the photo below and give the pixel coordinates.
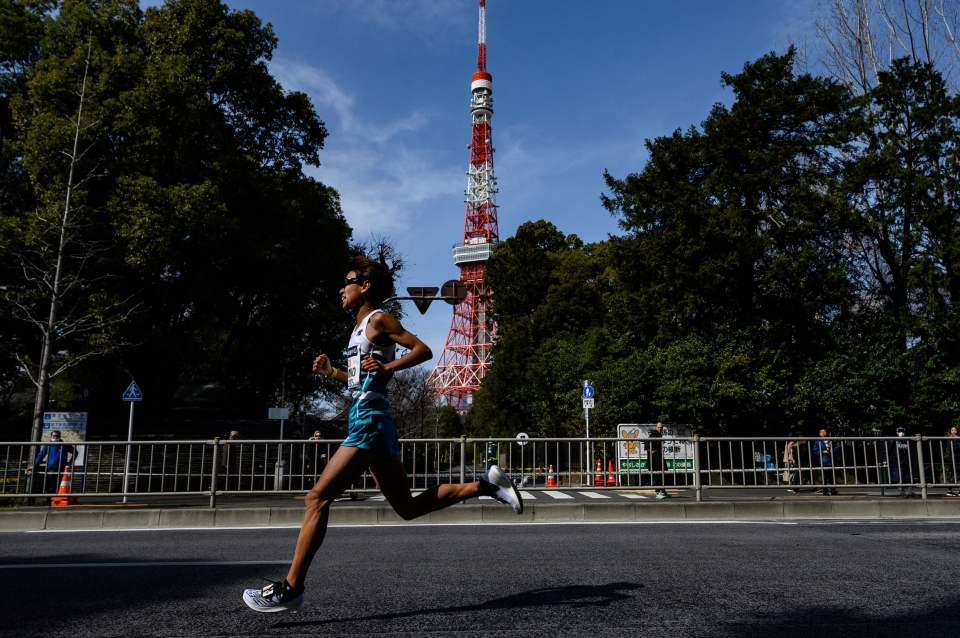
(280, 467)
(131, 395)
(588, 394)
(522, 438)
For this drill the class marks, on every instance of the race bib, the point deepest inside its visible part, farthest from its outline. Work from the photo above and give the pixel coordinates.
(352, 357)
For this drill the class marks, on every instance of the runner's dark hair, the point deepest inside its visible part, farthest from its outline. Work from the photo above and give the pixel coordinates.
(377, 273)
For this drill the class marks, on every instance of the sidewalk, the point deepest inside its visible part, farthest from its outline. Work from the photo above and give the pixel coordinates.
(344, 513)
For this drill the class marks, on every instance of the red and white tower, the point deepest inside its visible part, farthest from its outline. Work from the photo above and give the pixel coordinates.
(467, 351)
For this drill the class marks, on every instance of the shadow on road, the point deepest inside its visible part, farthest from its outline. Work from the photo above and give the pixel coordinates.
(571, 596)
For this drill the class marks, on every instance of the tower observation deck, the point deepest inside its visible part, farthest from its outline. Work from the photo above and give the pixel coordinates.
(467, 350)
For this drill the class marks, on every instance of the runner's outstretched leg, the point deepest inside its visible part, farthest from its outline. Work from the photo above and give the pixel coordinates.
(395, 486)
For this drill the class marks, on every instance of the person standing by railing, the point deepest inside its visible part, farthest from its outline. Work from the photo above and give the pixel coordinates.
(371, 433)
(824, 451)
(655, 459)
(316, 459)
(791, 474)
(901, 461)
(951, 455)
(50, 461)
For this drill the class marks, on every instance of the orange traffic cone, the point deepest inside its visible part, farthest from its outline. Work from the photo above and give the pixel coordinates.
(62, 499)
(598, 474)
(551, 477)
(611, 474)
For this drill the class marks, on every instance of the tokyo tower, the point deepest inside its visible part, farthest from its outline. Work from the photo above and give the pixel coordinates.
(467, 351)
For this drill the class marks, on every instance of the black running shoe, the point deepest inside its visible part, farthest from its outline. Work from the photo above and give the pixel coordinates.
(274, 597)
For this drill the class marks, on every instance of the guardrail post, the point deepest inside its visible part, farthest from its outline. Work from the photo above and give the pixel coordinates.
(213, 472)
(923, 473)
(463, 459)
(697, 487)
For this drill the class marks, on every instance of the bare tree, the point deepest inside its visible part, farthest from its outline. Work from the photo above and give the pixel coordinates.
(54, 268)
(413, 402)
(862, 37)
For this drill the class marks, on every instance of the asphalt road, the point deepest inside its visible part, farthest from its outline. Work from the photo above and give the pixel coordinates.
(770, 579)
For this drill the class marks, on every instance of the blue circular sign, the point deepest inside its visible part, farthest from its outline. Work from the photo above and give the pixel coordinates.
(588, 392)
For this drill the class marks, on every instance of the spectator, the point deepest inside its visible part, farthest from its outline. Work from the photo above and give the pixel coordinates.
(316, 460)
(655, 458)
(231, 462)
(50, 461)
(901, 460)
(951, 452)
(791, 475)
(824, 452)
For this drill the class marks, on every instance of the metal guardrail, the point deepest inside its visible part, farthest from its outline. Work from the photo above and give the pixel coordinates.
(700, 464)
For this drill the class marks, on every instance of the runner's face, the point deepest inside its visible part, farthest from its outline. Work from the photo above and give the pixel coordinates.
(351, 295)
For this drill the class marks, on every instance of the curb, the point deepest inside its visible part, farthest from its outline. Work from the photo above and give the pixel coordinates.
(341, 515)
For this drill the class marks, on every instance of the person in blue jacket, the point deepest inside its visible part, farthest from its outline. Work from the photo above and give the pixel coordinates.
(824, 452)
(50, 461)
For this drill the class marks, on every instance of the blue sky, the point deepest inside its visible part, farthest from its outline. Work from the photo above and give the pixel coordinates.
(578, 87)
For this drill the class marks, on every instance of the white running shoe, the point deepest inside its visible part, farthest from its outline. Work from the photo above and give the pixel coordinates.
(506, 491)
(273, 598)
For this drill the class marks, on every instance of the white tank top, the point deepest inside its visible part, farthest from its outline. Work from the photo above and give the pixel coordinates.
(359, 346)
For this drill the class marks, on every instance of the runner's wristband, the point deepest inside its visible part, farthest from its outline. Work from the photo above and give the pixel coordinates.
(333, 372)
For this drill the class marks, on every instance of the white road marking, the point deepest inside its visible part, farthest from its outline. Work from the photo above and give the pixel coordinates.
(261, 528)
(557, 495)
(631, 495)
(594, 495)
(184, 563)
(485, 498)
(528, 496)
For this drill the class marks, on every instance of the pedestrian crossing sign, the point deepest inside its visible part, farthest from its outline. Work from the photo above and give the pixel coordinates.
(133, 393)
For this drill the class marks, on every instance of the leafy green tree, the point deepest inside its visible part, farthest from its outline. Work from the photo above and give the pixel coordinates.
(197, 201)
(901, 187)
(734, 247)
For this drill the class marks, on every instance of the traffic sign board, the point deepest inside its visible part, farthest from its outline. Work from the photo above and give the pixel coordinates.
(522, 438)
(453, 292)
(588, 392)
(278, 414)
(423, 296)
(133, 392)
(587, 403)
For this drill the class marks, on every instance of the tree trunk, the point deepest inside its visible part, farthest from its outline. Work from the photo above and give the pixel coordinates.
(49, 334)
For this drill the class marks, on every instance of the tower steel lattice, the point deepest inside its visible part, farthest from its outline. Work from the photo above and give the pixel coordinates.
(467, 351)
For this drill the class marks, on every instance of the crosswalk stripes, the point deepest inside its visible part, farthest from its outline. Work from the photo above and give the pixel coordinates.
(554, 494)
(527, 496)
